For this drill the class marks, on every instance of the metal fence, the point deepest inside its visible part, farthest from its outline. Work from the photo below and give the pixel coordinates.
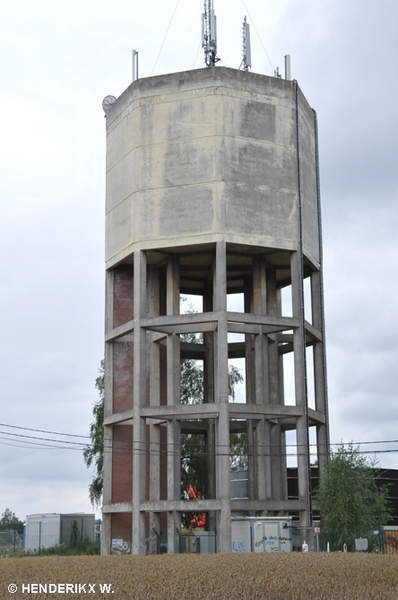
(388, 540)
(197, 542)
(10, 541)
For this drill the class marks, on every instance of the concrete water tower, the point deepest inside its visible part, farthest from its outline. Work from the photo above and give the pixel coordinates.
(212, 190)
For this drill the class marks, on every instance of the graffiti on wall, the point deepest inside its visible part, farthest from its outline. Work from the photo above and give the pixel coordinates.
(120, 546)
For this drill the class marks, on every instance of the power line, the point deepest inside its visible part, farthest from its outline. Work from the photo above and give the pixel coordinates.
(35, 430)
(43, 431)
(34, 437)
(167, 31)
(38, 446)
(127, 447)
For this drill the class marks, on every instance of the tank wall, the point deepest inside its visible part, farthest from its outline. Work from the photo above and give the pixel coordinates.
(207, 153)
(308, 178)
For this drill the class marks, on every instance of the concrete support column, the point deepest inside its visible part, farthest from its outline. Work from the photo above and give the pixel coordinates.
(108, 409)
(210, 441)
(107, 483)
(106, 533)
(173, 286)
(154, 390)
(154, 438)
(173, 398)
(154, 531)
(319, 368)
(262, 456)
(209, 393)
(299, 349)
(173, 483)
(273, 309)
(221, 398)
(277, 475)
(250, 393)
(139, 400)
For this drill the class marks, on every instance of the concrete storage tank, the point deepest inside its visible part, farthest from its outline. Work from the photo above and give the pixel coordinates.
(212, 190)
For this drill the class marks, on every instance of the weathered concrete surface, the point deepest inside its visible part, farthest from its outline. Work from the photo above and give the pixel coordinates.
(198, 154)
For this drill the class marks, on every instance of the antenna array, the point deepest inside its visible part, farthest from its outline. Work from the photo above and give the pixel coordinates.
(247, 58)
(209, 34)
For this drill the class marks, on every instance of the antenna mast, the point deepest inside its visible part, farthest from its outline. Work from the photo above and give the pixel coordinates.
(209, 34)
(247, 57)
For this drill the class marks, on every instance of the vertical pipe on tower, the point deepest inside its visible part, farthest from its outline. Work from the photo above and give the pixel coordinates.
(288, 70)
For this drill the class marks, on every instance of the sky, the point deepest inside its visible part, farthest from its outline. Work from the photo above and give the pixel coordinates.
(59, 60)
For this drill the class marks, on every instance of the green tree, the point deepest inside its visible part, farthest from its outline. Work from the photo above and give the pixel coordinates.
(74, 534)
(93, 454)
(9, 520)
(193, 447)
(191, 375)
(352, 505)
(238, 452)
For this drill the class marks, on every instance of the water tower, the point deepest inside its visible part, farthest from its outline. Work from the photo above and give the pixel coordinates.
(212, 191)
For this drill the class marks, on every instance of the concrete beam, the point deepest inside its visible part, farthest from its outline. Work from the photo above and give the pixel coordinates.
(283, 323)
(117, 507)
(313, 333)
(117, 332)
(316, 417)
(121, 417)
(181, 505)
(267, 505)
(256, 411)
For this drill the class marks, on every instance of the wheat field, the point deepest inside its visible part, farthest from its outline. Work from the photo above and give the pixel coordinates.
(293, 576)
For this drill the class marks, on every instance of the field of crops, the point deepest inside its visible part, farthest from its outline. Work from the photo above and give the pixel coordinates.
(293, 576)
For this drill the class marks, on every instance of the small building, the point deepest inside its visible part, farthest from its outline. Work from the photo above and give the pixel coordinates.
(261, 534)
(51, 529)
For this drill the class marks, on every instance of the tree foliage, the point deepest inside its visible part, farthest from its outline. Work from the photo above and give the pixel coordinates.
(193, 446)
(74, 534)
(93, 454)
(352, 504)
(9, 520)
(238, 452)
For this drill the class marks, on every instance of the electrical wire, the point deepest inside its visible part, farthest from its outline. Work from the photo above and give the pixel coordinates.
(167, 31)
(35, 430)
(33, 437)
(43, 431)
(197, 52)
(129, 446)
(37, 446)
(127, 449)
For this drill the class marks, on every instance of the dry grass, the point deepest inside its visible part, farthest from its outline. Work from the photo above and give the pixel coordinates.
(222, 576)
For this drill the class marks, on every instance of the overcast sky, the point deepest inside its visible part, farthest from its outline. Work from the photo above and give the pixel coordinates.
(59, 60)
